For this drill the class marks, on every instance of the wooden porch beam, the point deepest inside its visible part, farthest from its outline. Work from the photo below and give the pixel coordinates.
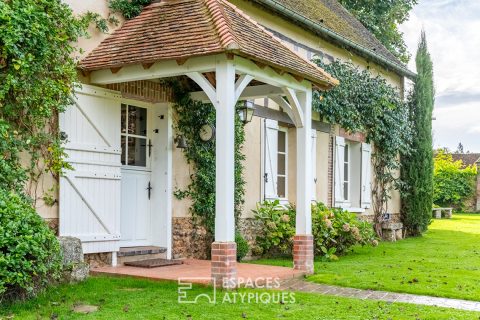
(296, 106)
(252, 92)
(241, 84)
(161, 69)
(206, 86)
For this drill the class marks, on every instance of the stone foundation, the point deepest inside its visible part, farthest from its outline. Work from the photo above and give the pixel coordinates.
(250, 228)
(303, 253)
(224, 264)
(190, 240)
(53, 225)
(98, 259)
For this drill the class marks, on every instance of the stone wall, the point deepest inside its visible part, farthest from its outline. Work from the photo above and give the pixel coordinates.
(190, 240)
(250, 228)
(98, 259)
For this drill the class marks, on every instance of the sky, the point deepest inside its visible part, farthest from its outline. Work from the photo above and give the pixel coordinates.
(453, 36)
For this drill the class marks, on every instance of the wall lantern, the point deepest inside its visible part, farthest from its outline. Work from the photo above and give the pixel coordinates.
(181, 142)
(246, 111)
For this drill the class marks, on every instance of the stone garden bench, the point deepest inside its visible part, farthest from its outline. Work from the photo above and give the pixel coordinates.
(437, 213)
(392, 231)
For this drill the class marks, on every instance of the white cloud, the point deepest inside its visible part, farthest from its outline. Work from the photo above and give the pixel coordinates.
(453, 35)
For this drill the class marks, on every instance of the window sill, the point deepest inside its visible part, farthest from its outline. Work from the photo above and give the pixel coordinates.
(354, 210)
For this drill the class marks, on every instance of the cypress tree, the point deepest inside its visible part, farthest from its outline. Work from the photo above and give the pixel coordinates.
(417, 166)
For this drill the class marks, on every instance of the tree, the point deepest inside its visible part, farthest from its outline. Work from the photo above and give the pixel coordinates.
(382, 18)
(460, 148)
(417, 170)
(453, 182)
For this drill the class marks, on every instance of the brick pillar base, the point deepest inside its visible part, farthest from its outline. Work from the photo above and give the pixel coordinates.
(224, 264)
(303, 253)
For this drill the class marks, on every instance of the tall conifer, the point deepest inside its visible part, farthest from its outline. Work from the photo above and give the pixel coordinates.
(417, 169)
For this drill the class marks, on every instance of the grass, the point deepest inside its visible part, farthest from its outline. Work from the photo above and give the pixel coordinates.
(445, 262)
(128, 298)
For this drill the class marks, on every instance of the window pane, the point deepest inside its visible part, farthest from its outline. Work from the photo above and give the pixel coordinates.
(281, 164)
(124, 119)
(281, 190)
(345, 191)
(282, 136)
(346, 153)
(124, 149)
(137, 121)
(345, 172)
(137, 152)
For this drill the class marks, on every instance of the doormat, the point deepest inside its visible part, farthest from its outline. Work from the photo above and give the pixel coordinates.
(153, 263)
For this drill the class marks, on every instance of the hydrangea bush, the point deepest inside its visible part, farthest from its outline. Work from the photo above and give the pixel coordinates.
(335, 231)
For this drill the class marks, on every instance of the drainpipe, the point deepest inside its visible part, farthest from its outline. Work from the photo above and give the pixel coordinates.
(320, 29)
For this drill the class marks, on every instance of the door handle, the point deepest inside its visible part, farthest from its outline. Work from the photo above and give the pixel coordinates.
(149, 189)
(265, 177)
(150, 145)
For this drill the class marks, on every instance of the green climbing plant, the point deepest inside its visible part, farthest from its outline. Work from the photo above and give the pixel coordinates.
(368, 104)
(37, 76)
(191, 116)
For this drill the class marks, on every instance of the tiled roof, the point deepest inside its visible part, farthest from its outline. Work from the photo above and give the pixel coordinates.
(468, 159)
(175, 29)
(331, 15)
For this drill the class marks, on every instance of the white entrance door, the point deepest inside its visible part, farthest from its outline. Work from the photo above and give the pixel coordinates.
(137, 193)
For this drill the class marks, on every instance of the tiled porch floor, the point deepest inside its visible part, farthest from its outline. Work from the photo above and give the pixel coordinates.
(198, 271)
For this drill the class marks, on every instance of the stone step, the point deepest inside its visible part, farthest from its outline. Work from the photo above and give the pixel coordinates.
(130, 254)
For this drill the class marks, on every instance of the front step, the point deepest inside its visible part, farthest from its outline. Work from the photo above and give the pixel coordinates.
(131, 254)
(153, 263)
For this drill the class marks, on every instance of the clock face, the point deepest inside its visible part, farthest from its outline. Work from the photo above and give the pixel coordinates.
(207, 132)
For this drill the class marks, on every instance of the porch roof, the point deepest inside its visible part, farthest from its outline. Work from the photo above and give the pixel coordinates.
(181, 29)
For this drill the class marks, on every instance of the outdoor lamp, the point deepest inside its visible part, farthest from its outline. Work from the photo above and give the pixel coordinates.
(245, 112)
(181, 142)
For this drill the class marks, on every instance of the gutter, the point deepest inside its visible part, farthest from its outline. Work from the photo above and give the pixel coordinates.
(341, 39)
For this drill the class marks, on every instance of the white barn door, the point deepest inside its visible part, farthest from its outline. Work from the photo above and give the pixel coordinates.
(90, 194)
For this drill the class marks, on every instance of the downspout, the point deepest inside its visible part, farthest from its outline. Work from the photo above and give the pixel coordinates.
(318, 28)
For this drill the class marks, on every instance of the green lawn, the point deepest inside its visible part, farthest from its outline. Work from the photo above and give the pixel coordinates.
(444, 262)
(127, 298)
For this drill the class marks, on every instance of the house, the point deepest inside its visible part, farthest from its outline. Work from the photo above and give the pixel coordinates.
(471, 159)
(120, 133)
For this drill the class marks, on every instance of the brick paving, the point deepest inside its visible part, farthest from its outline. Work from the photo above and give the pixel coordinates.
(199, 271)
(301, 285)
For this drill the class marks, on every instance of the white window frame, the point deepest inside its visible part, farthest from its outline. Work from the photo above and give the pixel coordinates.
(285, 153)
(347, 179)
(266, 126)
(148, 108)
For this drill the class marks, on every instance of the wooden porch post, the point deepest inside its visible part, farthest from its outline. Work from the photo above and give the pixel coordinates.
(224, 249)
(303, 241)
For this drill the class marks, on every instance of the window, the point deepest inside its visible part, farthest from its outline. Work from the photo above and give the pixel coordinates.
(275, 161)
(282, 165)
(134, 136)
(352, 174)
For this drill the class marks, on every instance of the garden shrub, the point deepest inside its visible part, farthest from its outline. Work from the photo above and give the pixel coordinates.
(30, 255)
(278, 228)
(453, 183)
(242, 246)
(335, 231)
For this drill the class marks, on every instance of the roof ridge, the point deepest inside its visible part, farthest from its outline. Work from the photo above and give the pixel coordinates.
(227, 37)
(331, 79)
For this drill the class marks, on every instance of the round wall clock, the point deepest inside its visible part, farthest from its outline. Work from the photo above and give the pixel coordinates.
(207, 132)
